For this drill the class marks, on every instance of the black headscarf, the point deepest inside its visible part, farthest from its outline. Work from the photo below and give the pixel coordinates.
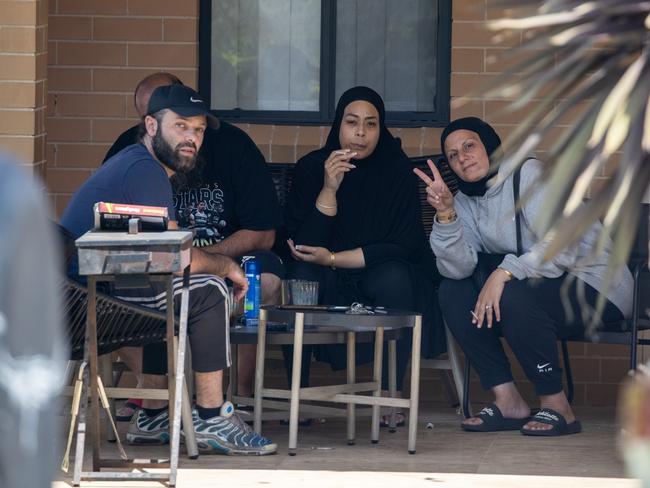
(490, 140)
(387, 143)
(378, 207)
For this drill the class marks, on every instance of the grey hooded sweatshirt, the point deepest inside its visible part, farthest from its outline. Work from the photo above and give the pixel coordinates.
(487, 224)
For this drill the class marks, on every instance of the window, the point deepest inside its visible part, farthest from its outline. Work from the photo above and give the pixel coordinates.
(288, 61)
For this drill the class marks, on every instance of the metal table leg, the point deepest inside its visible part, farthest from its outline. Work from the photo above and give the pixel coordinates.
(259, 371)
(392, 382)
(171, 383)
(295, 383)
(176, 371)
(415, 385)
(351, 414)
(379, 351)
(232, 392)
(186, 416)
(91, 331)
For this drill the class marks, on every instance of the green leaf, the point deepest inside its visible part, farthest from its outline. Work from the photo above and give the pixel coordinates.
(593, 55)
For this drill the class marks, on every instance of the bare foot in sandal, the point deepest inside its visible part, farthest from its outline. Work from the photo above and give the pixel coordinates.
(559, 407)
(510, 406)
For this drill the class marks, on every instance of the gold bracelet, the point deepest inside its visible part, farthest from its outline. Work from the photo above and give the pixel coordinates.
(332, 260)
(508, 273)
(445, 219)
(329, 207)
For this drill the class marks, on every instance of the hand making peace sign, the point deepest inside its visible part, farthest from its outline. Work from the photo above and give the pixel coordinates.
(438, 194)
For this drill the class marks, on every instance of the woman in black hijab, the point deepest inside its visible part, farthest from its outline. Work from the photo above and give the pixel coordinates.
(355, 223)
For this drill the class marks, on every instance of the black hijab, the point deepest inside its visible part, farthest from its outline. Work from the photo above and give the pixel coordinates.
(378, 211)
(387, 144)
(378, 207)
(490, 140)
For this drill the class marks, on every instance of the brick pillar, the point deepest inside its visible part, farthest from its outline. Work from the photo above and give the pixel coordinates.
(23, 73)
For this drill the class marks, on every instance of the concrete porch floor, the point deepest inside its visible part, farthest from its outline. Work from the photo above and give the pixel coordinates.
(446, 456)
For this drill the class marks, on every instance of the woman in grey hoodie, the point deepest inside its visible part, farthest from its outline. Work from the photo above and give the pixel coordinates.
(522, 298)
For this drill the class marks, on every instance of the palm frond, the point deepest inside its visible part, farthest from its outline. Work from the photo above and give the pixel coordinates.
(590, 57)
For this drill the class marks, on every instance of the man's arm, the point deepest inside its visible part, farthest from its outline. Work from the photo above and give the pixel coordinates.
(242, 242)
(217, 264)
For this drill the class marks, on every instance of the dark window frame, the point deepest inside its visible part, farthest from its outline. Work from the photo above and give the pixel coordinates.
(439, 118)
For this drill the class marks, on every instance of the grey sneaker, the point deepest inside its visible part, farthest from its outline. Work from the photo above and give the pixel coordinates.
(148, 430)
(228, 434)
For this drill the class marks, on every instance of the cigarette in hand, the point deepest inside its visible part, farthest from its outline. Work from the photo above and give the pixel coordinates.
(474, 315)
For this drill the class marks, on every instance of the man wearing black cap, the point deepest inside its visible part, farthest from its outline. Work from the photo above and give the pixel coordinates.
(171, 135)
(229, 200)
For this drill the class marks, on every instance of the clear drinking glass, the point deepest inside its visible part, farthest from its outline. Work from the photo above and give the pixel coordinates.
(300, 292)
(235, 308)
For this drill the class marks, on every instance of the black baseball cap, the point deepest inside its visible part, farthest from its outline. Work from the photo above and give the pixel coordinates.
(181, 100)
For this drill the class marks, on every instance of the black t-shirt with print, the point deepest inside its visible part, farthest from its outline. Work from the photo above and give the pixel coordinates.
(231, 189)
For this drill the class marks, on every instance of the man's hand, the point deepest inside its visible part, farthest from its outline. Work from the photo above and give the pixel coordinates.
(310, 254)
(222, 266)
(239, 281)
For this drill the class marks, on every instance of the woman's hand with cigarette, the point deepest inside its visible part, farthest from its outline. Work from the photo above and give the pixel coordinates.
(487, 306)
(335, 168)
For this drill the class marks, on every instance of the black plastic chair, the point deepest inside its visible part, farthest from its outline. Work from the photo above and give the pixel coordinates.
(625, 332)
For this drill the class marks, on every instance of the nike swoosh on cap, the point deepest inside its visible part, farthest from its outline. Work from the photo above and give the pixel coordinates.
(196, 100)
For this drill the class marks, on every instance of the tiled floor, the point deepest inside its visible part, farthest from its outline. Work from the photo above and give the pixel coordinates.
(442, 449)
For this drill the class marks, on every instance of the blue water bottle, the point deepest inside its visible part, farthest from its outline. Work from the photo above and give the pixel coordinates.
(252, 299)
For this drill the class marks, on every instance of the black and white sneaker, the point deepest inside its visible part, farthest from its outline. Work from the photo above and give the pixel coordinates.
(229, 434)
(149, 430)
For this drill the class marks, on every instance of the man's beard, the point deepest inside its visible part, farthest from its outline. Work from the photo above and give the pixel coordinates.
(172, 157)
(194, 178)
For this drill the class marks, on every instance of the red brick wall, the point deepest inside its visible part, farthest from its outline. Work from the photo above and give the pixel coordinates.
(99, 49)
(23, 77)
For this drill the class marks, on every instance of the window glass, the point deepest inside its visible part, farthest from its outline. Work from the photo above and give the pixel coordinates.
(390, 46)
(266, 54)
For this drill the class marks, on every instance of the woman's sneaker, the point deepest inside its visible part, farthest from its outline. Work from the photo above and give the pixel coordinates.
(228, 434)
(149, 430)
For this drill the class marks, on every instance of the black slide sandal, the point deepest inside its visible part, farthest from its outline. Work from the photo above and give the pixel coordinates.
(557, 420)
(494, 421)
